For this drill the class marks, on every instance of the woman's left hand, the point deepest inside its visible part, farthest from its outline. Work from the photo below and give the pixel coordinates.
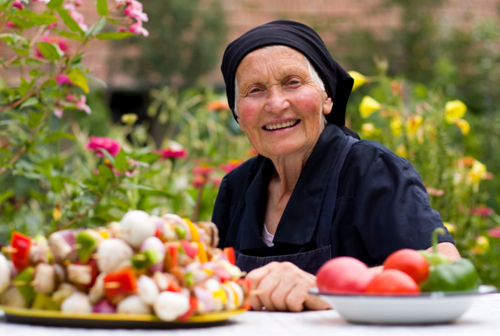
(284, 287)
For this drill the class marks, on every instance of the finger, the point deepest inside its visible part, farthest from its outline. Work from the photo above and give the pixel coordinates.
(289, 277)
(314, 302)
(256, 276)
(256, 303)
(295, 298)
(268, 286)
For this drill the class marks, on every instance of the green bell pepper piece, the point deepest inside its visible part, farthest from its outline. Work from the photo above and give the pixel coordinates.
(459, 276)
(45, 302)
(181, 231)
(86, 246)
(23, 282)
(435, 258)
(146, 258)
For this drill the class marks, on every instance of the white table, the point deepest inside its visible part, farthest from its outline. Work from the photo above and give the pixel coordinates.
(483, 318)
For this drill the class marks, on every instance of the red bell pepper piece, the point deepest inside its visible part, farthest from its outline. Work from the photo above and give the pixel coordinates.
(193, 304)
(172, 255)
(20, 254)
(119, 284)
(229, 253)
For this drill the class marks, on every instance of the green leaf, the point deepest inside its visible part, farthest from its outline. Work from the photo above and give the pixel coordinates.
(149, 157)
(29, 102)
(98, 26)
(69, 21)
(121, 204)
(70, 35)
(78, 78)
(49, 51)
(7, 38)
(6, 195)
(121, 161)
(21, 23)
(38, 19)
(21, 52)
(102, 7)
(114, 21)
(113, 36)
(32, 61)
(106, 173)
(56, 184)
(55, 136)
(35, 119)
(138, 186)
(98, 81)
(53, 4)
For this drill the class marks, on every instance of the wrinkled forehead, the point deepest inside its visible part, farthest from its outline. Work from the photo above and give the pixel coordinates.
(282, 58)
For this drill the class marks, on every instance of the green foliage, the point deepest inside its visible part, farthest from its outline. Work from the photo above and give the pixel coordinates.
(185, 40)
(432, 133)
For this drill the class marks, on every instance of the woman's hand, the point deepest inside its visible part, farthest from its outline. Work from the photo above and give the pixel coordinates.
(284, 287)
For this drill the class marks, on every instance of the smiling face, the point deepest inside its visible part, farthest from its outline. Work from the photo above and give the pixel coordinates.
(279, 104)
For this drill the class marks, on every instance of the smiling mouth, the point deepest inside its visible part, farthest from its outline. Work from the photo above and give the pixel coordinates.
(286, 124)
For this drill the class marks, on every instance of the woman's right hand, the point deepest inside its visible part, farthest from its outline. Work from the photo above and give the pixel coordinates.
(284, 287)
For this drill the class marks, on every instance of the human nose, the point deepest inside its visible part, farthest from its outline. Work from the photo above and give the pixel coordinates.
(276, 101)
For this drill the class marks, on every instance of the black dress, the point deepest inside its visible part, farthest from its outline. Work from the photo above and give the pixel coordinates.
(381, 204)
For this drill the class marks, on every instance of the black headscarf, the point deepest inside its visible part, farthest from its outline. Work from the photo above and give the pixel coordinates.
(302, 38)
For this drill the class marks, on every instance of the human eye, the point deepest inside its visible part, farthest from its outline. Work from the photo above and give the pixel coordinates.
(293, 81)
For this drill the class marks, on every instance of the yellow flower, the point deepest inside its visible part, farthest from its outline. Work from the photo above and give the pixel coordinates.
(396, 126)
(482, 245)
(359, 79)
(463, 125)
(413, 124)
(454, 110)
(368, 129)
(450, 227)
(368, 106)
(401, 151)
(477, 172)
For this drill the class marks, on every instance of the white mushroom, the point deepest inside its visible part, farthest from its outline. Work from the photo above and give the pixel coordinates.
(148, 290)
(4, 273)
(170, 305)
(96, 293)
(133, 305)
(77, 303)
(80, 274)
(112, 253)
(59, 246)
(13, 298)
(136, 226)
(177, 220)
(45, 279)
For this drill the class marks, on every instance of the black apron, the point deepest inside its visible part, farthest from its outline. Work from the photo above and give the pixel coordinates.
(309, 261)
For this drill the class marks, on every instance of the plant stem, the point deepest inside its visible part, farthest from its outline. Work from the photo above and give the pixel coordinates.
(19, 102)
(198, 202)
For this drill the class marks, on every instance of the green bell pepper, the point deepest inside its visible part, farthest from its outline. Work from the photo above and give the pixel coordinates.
(459, 276)
(146, 258)
(435, 258)
(23, 282)
(86, 245)
(45, 302)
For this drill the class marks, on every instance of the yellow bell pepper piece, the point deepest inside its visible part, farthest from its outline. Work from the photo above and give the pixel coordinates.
(202, 254)
(194, 231)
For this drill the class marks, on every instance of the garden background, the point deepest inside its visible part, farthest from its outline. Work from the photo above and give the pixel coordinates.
(112, 105)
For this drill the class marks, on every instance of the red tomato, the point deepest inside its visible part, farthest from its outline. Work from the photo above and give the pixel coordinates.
(343, 275)
(409, 261)
(20, 254)
(229, 253)
(193, 304)
(394, 282)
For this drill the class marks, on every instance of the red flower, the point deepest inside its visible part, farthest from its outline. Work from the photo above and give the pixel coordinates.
(482, 210)
(199, 180)
(228, 167)
(96, 143)
(495, 232)
(172, 153)
(204, 170)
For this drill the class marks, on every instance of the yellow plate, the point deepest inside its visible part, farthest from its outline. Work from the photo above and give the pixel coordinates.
(122, 321)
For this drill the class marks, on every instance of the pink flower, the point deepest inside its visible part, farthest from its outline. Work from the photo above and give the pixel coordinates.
(44, 1)
(228, 167)
(58, 112)
(96, 143)
(82, 106)
(78, 17)
(10, 24)
(482, 210)
(216, 181)
(199, 181)
(122, 29)
(18, 4)
(134, 10)
(78, 3)
(62, 79)
(172, 153)
(137, 29)
(495, 232)
(52, 25)
(70, 98)
(435, 192)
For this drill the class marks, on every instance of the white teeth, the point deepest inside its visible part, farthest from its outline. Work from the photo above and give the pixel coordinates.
(280, 125)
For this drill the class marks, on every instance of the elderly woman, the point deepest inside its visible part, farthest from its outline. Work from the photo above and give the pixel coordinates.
(314, 192)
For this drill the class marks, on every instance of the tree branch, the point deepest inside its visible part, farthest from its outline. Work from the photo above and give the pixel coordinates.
(18, 102)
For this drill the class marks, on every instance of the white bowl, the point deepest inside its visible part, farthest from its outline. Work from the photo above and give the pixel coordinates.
(426, 308)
